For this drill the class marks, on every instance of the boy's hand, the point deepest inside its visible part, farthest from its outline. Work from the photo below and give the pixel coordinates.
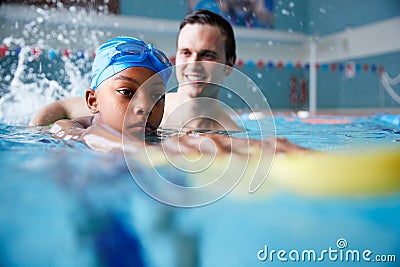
(67, 130)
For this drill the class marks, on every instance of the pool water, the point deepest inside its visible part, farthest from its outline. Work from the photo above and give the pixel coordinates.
(65, 205)
(328, 133)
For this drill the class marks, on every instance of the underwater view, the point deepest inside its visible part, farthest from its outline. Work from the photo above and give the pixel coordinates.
(335, 204)
(64, 204)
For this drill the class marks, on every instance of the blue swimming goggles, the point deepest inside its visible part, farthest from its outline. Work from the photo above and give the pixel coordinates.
(121, 53)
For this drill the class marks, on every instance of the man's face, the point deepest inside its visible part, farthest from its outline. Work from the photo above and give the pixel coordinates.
(200, 49)
(146, 110)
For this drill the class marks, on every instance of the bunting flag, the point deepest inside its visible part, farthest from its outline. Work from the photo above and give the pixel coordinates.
(66, 53)
(260, 64)
(3, 50)
(52, 54)
(345, 67)
(239, 63)
(325, 67)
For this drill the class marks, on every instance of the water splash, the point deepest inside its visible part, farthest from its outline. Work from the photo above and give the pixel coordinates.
(35, 71)
(35, 83)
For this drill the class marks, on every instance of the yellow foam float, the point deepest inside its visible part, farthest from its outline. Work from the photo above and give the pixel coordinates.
(307, 173)
(323, 174)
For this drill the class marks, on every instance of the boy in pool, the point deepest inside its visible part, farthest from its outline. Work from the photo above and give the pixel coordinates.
(121, 74)
(120, 67)
(203, 36)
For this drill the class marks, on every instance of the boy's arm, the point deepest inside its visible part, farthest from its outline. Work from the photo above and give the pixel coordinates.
(96, 136)
(69, 108)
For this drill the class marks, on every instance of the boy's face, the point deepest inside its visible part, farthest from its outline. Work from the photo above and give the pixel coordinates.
(199, 47)
(112, 97)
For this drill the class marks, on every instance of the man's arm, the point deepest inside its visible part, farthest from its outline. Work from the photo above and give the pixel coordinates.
(69, 108)
(220, 144)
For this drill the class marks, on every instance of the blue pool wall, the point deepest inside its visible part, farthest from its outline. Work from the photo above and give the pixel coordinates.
(335, 90)
(311, 17)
